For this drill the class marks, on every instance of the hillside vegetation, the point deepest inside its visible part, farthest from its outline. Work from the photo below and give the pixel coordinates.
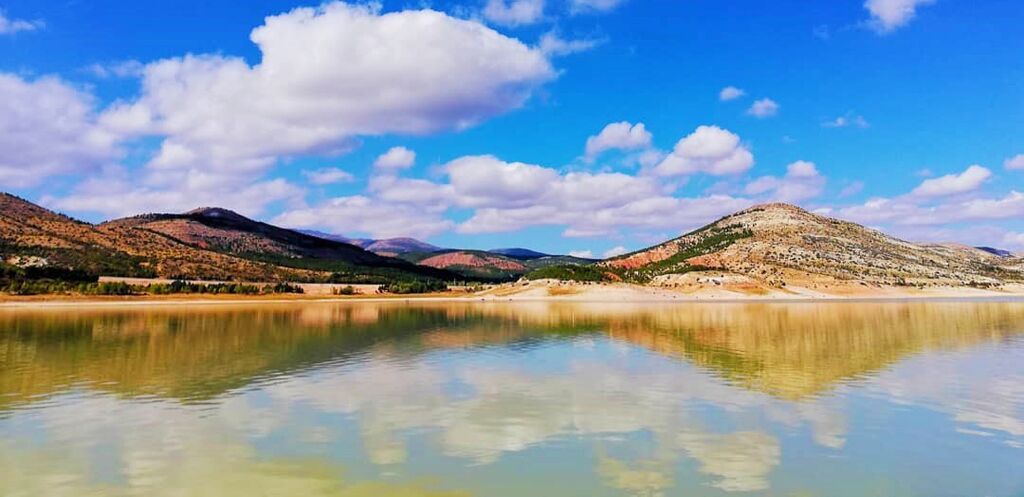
(491, 266)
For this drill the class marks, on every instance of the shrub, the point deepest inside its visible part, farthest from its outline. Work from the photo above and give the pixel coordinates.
(345, 290)
(283, 288)
(568, 272)
(111, 288)
(416, 286)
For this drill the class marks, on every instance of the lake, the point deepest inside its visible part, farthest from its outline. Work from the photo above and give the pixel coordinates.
(517, 400)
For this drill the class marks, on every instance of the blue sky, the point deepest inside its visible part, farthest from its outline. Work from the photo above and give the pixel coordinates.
(904, 115)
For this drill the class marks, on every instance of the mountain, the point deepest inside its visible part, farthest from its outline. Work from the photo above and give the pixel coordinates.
(223, 230)
(359, 242)
(996, 251)
(28, 231)
(519, 253)
(488, 265)
(476, 264)
(779, 244)
(207, 243)
(386, 246)
(228, 232)
(400, 246)
(492, 265)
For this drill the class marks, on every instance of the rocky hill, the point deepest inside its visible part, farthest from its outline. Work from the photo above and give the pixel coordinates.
(28, 231)
(489, 265)
(207, 243)
(228, 232)
(779, 244)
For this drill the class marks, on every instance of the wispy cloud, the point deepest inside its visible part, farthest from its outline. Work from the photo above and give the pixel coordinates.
(847, 120)
(730, 93)
(10, 26)
(327, 176)
(514, 12)
(763, 108)
(552, 44)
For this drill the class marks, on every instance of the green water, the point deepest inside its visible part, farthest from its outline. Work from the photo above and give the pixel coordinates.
(516, 400)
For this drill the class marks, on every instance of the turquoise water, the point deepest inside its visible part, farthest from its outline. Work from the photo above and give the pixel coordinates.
(394, 399)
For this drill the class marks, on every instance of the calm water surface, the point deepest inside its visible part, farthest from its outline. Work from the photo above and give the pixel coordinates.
(517, 400)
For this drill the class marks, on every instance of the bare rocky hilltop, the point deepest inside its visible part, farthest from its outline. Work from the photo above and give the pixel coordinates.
(775, 245)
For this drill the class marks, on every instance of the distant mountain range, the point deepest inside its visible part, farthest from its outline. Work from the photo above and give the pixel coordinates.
(772, 244)
(995, 251)
(489, 265)
(520, 253)
(386, 246)
(219, 244)
(394, 246)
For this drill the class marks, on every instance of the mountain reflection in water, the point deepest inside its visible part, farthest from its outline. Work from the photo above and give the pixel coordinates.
(514, 399)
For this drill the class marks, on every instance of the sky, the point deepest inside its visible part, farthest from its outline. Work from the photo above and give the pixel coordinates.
(590, 127)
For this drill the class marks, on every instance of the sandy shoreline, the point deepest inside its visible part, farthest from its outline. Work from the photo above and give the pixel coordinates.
(544, 291)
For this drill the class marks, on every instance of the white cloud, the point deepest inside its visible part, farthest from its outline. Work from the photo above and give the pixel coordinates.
(802, 169)
(508, 196)
(427, 194)
(361, 214)
(848, 119)
(48, 127)
(1014, 241)
(120, 69)
(1014, 163)
(1008, 207)
(763, 108)
(660, 212)
(584, 254)
(851, 189)
(488, 181)
(119, 196)
(730, 93)
(614, 251)
(395, 158)
(514, 12)
(709, 149)
(9, 26)
(801, 182)
(969, 180)
(578, 6)
(888, 15)
(618, 136)
(908, 210)
(648, 158)
(327, 75)
(552, 44)
(327, 176)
